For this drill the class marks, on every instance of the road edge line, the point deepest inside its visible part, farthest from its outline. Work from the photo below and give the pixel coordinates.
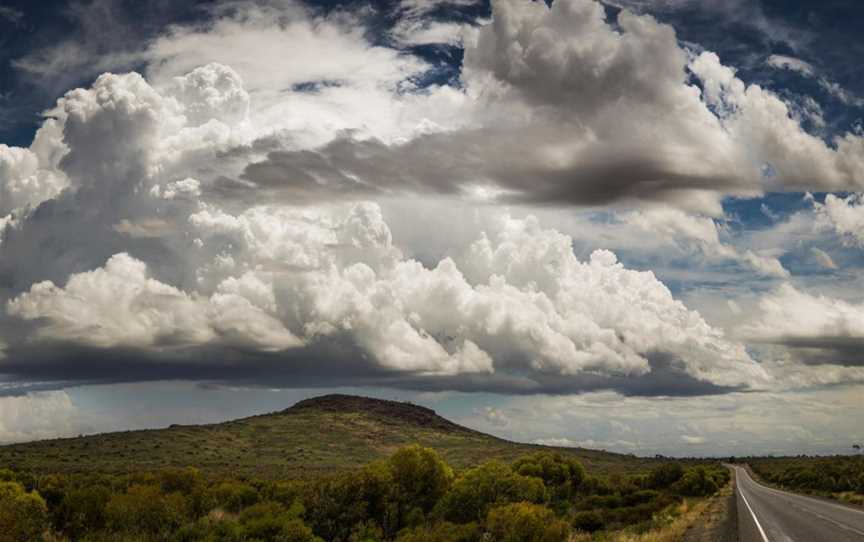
(752, 513)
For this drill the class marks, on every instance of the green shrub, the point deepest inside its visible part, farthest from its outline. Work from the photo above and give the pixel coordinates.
(561, 474)
(420, 477)
(493, 483)
(665, 475)
(588, 521)
(144, 509)
(23, 515)
(525, 522)
(179, 480)
(272, 521)
(82, 510)
(442, 532)
(695, 483)
(234, 496)
(336, 504)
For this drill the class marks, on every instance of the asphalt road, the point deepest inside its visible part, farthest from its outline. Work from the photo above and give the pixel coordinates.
(768, 515)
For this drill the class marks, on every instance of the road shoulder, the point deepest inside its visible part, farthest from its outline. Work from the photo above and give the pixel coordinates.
(719, 521)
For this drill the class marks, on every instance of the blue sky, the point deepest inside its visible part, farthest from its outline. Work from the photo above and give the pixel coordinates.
(510, 211)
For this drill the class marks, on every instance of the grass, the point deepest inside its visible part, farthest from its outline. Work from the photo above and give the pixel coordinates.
(670, 526)
(834, 477)
(325, 434)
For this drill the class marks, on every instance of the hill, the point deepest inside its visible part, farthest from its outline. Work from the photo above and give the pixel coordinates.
(323, 434)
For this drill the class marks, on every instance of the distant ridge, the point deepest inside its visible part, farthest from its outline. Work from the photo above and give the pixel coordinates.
(397, 410)
(314, 436)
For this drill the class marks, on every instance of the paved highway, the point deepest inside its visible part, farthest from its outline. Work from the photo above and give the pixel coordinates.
(769, 515)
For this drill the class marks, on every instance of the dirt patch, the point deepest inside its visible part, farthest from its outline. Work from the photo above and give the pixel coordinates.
(719, 522)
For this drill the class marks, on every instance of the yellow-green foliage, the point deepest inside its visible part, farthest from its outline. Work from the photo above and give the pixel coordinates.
(476, 491)
(23, 515)
(826, 475)
(525, 522)
(412, 496)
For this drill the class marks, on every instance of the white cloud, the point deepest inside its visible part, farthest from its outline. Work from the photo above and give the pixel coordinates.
(842, 216)
(701, 234)
(783, 62)
(823, 258)
(825, 421)
(37, 416)
(119, 305)
(29, 176)
(764, 129)
(559, 105)
(524, 302)
(818, 329)
(806, 69)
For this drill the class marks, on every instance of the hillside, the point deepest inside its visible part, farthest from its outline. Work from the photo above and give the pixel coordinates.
(332, 432)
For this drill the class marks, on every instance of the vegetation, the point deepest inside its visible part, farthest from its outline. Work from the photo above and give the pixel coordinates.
(317, 436)
(412, 496)
(840, 477)
(293, 476)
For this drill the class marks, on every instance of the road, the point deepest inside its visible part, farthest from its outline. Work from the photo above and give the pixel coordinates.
(769, 515)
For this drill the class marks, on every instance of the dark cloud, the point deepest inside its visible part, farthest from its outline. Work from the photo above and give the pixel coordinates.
(455, 163)
(332, 363)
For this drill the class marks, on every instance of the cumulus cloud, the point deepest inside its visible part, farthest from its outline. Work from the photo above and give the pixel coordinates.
(119, 305)
(701, 234)
(38, 415)
(816, 328)
(523, 303)
(612, 111)
(29, 176)
(843, 216)
(760, 121)
(212, 207)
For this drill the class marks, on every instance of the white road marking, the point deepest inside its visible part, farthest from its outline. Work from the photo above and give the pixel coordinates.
(790, 497)
(752, 513)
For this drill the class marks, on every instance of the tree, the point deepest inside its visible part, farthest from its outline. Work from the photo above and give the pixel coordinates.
(420, 476)
(588, 521)
(144, 509)
(493, 483)
(561, 474)
(665, 475)
(82, 510)
(23, 515)
(442, 532)
(696, 482)
(525, 522)
(234, 496)
(272, 521)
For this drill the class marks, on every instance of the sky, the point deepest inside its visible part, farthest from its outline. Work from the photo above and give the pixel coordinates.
(635, 225)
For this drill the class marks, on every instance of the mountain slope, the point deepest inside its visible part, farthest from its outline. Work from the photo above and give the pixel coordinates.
(323, 434)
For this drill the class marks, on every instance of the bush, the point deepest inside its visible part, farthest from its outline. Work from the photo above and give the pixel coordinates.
(588, 521)
(695, 483)
(563, 475)
(525, 522)
(82, 510)
(665, 475)
(442, 532)
(234, 496)
(490, 484)
(144, 509)
(336, 504)
(23, 515)
(420, 476)
(272, 521)
(179, 480)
